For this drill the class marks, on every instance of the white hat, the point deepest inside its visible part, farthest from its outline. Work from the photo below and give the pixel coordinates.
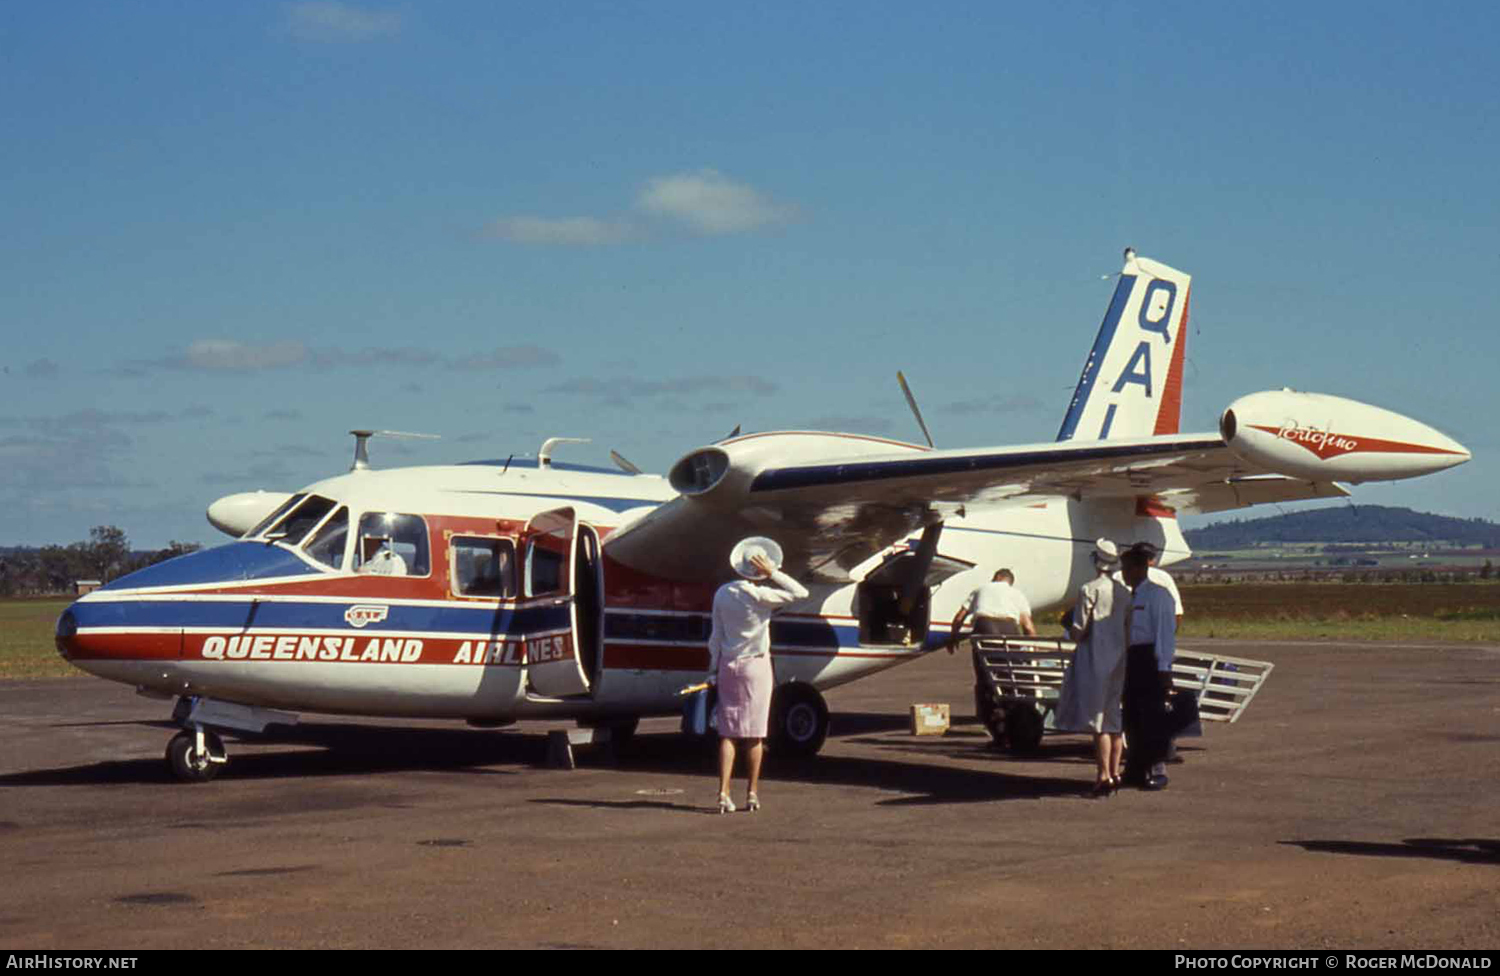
(1106, 554)
(756, 545)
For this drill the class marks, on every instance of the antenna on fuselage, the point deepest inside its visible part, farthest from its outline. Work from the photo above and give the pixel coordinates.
(362, 442)
(544, 456)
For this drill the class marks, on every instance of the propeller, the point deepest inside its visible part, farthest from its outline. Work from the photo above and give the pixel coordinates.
(911, 401)
(623, 463)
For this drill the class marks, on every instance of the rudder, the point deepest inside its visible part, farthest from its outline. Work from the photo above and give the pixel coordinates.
(1132, 381)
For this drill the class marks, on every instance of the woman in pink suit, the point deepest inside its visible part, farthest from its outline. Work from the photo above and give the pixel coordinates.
(739, 650)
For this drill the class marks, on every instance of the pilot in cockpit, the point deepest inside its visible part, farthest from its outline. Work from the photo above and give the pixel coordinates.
(379, 558)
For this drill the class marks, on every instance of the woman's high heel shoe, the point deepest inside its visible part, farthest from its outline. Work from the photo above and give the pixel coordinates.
(726, 805)
(752, 802)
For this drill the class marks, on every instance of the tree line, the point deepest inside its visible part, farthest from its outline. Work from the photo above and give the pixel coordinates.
(1346, 524)
(55, 570)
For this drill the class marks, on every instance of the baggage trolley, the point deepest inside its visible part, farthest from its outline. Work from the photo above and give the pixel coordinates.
(1017, 681)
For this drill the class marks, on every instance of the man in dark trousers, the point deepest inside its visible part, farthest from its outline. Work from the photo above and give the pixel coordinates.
(1152, 638)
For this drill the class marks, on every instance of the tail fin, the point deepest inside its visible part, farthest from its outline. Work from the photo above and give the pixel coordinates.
(1132, 382)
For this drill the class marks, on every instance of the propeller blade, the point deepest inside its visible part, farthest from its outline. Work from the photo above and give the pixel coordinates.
(911, 401)
(623, 463)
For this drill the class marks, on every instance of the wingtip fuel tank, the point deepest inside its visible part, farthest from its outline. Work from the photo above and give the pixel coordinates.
(1329, 438)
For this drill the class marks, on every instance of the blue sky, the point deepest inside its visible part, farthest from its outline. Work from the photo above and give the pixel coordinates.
(235, 231)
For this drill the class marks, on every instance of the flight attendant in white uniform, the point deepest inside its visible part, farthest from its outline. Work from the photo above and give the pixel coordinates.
(1095, 682)
(739, 650)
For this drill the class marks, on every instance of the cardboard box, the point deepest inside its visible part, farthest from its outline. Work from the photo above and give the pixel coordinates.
(929, 719)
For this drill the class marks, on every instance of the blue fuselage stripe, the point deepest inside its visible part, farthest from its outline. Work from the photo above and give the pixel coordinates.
(279, 615)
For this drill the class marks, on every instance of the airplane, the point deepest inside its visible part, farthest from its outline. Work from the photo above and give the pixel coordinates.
(498, 591)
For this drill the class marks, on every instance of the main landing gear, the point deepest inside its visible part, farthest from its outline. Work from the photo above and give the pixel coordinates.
(799, 720)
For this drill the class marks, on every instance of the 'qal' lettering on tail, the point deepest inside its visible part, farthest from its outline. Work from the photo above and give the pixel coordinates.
(1132, 382)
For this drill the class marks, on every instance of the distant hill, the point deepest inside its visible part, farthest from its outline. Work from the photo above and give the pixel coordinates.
(1346, 524)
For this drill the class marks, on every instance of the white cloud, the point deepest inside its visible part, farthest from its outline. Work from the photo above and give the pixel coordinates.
(558, 230)
(622, 390)
(328, 20)
(508, 357)
(227, 354)
(711, 203)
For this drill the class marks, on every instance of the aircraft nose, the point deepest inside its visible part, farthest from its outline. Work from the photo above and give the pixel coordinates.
(66, 633)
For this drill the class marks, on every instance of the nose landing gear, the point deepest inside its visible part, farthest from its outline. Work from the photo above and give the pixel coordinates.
(196, 755)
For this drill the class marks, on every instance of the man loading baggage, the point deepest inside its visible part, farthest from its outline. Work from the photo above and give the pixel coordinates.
(998, 608)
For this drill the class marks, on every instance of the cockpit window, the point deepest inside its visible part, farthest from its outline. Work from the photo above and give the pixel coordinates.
(301, 520)
(266, 522)
(392, 545)
(327, 544)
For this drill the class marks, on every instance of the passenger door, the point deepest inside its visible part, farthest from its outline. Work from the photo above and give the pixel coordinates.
(550, 615)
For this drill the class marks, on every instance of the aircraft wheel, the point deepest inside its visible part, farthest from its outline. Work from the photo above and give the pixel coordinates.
(989, 716)
(799, 720)
(1023, 728)
(189, 765)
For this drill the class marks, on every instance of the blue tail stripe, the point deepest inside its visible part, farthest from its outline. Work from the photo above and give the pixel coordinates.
(1096, 357)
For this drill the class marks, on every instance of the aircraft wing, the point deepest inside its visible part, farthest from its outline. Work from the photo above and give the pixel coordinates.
(834, 500)
(1244, 492)
(830, 515)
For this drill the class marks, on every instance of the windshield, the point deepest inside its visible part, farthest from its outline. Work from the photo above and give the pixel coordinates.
(266, 522)
(298, 521)
(327, 544)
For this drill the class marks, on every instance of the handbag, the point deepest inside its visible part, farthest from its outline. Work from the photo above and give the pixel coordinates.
(1182, 711)
(698, 718)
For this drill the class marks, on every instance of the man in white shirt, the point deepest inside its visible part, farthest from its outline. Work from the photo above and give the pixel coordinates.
(384, 561)
(1152, 640)
(1160, 577)
(998, 608)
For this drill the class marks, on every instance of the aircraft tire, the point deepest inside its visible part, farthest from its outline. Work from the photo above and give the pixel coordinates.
(186, 764)
(799, 721)
(1023, 728)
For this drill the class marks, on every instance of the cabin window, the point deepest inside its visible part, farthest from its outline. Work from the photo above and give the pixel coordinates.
(483, 567)
(392, 545)
(327, 544)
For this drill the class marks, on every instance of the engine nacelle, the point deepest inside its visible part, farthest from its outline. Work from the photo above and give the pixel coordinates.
(1329, 438)
(721, 474)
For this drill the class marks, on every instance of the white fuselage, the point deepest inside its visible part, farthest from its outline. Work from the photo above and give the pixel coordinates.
(264, 623)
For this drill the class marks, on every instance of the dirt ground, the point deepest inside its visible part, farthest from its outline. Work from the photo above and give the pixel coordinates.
(1354, 806)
